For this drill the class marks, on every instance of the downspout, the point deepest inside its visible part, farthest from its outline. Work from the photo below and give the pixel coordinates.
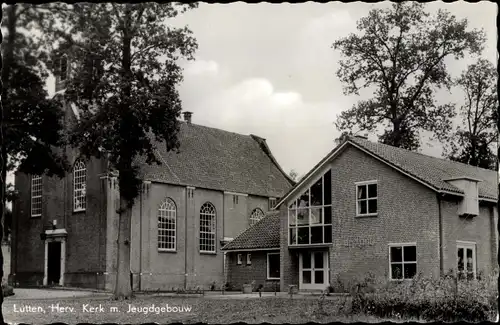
(140, 236)
(223, 237)
(185, 240)
(441, 228)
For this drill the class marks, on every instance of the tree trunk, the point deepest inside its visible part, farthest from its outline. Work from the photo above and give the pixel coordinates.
(123, 287)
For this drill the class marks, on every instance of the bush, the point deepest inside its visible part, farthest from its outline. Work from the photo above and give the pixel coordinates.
(7, 290)
(445, 299)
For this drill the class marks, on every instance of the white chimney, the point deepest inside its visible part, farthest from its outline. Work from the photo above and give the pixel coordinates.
(187, 116)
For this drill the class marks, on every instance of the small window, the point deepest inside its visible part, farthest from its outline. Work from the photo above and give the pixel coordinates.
(235, 200)
(249, 259)
(273, 266)
(272, 203)
(63, 67)
(366, 199)
(466, 260)
(79, 183)
(403, 261)
(256, 215)
(36, 195)
(240, 259)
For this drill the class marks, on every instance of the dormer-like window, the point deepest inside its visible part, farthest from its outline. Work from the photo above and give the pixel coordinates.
(255, 216)
(310, 215)
(469, 206)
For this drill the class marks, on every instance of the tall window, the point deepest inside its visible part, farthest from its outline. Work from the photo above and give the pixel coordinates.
(310, 216)
(36, 195)
(79, 183)
(167, 218)
(256, 215)
(403, 261)
(207, 228)
(366, 198)
(273, 266)
(63, 67)
(466, 259)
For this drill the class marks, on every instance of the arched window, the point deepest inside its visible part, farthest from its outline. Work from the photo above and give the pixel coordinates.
(167, 220)
(207, 228)
(63, 67)
(255, 216)
(79, 186)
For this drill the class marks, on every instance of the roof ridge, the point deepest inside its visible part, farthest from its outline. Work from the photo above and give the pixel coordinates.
(214, 128)
(356, 139)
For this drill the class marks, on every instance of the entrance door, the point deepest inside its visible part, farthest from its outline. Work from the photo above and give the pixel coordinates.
(313, 268)
(54, 263)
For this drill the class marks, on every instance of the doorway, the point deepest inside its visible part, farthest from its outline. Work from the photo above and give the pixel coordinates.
(54, 263)
(313, 270)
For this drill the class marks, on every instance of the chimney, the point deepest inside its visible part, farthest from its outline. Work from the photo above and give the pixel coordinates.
(187, 116)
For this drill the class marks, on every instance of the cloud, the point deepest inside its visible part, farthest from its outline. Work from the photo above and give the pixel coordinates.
(201, 67)
(299, 133)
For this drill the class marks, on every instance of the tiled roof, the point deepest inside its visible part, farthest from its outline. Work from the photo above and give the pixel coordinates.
(220, 160)
(264, 234)
(431, 170)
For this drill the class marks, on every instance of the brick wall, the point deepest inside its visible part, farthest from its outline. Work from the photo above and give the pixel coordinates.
(240, 274)
(85, 243)
(479, 229)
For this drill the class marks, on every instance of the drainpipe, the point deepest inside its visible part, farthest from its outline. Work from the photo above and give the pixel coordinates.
(185, 239)
(441, 229)
(140, 235)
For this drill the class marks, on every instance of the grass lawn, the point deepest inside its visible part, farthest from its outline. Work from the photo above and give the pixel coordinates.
(207, 310)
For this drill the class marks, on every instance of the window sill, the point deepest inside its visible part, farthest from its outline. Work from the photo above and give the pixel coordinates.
(167, 250)
(208, 253)
(78, 211)
(371, 215)
(309, 245)
(38, 216)
(272, 279)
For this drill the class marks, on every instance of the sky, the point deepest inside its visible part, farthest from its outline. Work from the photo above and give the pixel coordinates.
(269, 69)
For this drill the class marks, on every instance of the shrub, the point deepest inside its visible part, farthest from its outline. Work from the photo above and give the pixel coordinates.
(444, 299)
(7, 290)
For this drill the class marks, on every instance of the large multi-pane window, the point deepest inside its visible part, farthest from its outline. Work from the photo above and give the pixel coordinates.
(310, 216)
(207, 228)
(255, 216)
(79, 186)
(167, 218)
(403, 261)
(36, 195)
(366, 198)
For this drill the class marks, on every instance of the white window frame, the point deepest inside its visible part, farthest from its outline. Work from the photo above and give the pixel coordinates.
(366, 183)
(256, 215)
(249, 259)
(267, 267)
(204, 235)
(468, 245)
(309, 208)
(239, 259)
(168, 212)
(36, 180)
(403, 262)
(79, 178)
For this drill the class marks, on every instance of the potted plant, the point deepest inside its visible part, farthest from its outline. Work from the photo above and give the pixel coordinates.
(248, 287)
